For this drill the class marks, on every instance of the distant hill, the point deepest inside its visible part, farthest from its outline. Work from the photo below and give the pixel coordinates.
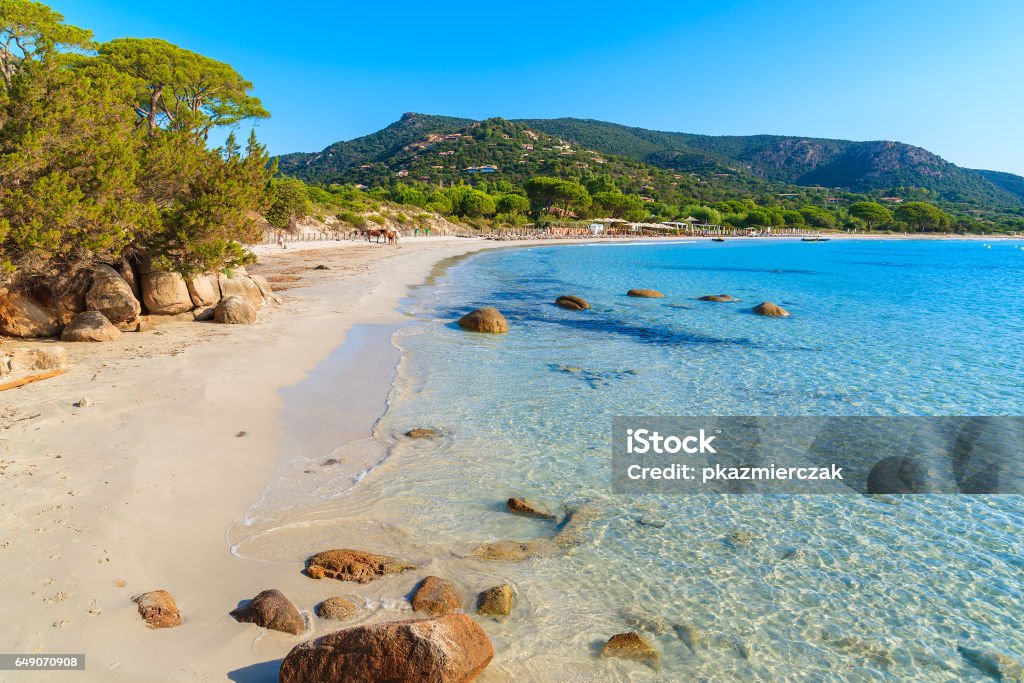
(442, 149)
(854, 166)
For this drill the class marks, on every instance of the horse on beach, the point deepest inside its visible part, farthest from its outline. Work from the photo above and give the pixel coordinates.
(375, 233)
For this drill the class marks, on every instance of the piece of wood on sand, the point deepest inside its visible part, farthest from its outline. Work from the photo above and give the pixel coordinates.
(14, 384)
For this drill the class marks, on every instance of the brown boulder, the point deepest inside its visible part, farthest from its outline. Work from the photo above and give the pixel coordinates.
(336, 608)
(721, 298)
(496, 601)
(646, 293)
(771, 310)
(28, 360)
(631, 645)
(421, 433)
(265, 290)
(436, 596)
(510, 551)
(521, 506)
(486, 319)
(448, 649)
(158, 609)
(353, 565)
(239, 284)
(24, 316)
(127, 271)
(165, 293)
(574, 303)
(204, 290)
(271, 609)
(234, 310)
(112, 296)
(91, 326)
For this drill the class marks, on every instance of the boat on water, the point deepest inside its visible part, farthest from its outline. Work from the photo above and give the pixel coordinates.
(815, 238)
(717, 239)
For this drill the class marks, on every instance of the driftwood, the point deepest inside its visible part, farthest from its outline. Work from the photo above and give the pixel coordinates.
(28, 380)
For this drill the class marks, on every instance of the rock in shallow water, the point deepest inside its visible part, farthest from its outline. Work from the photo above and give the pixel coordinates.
(486, 319)
(421, 433)
(336, 608)
(436, 596)
(632, 646)
(720, 298)
(645, 293)
(271, 609)
(767, 308)
(448, 649)
(573, 303)
(496, 601)
(158, 609)
(1001, 667)
(527, 508)
(353, 565)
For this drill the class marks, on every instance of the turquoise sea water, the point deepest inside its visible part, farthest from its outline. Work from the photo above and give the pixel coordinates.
(826, 588)
(727, 588)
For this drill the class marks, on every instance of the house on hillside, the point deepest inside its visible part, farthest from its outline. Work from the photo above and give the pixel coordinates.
(893, 200)
(403, 174)
(834, 200)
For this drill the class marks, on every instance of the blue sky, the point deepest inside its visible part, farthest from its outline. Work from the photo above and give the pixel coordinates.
(942, 75)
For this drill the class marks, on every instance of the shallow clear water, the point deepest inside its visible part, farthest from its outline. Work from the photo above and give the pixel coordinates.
(822, 588)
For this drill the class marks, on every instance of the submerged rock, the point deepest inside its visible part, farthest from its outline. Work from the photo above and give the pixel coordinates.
(158, 609)
(646, 293)
(740, 537)
(689, 634)
(570, 533)
(271, 609)
(421, 433)
(632, 646)
(720, 298)
(496, 601)
(574, 303)
(527, 508)
(771, 310)
(999, 666)
(353, 565)
(336, 608)
(90, 326)
(448, 649)
(436, 596)
(486, 319)
(509, 551)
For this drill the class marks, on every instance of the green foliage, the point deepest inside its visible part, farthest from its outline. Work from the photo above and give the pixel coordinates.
(817, 217)
(354, 219)
(512, 204)
(30, 31)
(922, 216)
(615, 204)
(871, 213)
(289, 201)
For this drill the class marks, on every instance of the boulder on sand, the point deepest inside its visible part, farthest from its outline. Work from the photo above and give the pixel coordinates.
(239, 284)
(487, 319)
(633, 646)
(204, 290)
(158, 609)
(21, 315)
(165, 293)
(353, 565)
(336, 608)
(28, 360)
(91, 326)
(112, 296)
(448, 649)
(496, 601)
(436, 596)
(771, 310)
(646, 293)
(271, 609)
(574, 303)
(527, 508)
(234, 310)
(721, 298)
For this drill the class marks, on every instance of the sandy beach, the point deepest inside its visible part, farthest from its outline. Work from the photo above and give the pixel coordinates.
(135, 490)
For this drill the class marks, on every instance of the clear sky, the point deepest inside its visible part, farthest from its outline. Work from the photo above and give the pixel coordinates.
(944, 75)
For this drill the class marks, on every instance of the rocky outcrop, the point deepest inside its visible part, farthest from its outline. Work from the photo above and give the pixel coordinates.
(235, 310)
(112, 296)
(336, 608)
(91, 326)
(165, 293)
(487, 319)
(632, 646)
(204, 290)
(448, 649)
(573, 303)
(239, 284)
(158, 609)
(527, 508)
(353, 565)
(645, 293)
(22, 315)
(271, 609)
(265, 289)
(496, 601)
(721, 298)
(421, 433)
(771, 310)
(436, 596)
